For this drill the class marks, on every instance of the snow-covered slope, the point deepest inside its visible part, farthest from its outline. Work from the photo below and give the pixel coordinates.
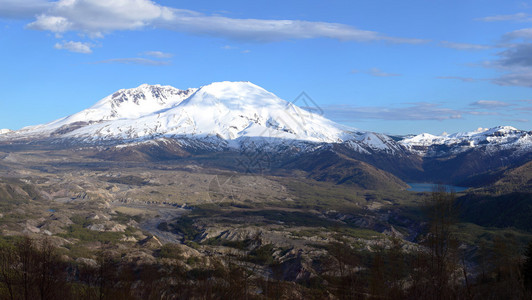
(369, 142)
(231, 112)
(123, 104)
(227, 110)
(4, 131)
(491, 140)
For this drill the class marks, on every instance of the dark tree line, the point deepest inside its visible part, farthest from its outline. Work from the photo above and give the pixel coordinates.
(438, 270)
(31, 270)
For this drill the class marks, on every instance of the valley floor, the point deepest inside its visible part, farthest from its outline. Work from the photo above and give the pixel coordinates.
(242, 235)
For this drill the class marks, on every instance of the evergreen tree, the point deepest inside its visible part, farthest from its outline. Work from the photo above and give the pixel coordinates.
(527, 267)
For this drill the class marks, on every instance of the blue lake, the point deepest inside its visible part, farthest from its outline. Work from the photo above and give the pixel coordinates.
(428, 187)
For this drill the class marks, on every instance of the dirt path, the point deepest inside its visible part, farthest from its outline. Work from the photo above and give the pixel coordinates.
(155, 214)
(165, 214)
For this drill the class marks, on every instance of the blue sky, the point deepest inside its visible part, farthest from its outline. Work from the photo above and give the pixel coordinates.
(388, 66)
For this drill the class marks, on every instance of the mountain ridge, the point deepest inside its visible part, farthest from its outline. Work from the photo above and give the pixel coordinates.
(242, 111)
(225, 120)
(499, 137)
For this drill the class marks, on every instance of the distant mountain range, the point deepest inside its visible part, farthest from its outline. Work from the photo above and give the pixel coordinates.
(161, 122)
(491, 140)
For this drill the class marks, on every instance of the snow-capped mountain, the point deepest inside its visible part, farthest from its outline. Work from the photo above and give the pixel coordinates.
(368, 142)
(225, 115)
(238, 120)
(123, 104)
(490, 140)
(231, 112)
(4, 131)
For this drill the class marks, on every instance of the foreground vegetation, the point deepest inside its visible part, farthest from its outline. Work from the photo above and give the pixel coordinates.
(346, 263)
(35, 269)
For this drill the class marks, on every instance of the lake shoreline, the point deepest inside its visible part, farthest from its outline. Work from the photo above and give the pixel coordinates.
(429, 187)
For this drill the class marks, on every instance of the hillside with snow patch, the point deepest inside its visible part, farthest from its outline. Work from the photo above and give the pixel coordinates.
(489, 140)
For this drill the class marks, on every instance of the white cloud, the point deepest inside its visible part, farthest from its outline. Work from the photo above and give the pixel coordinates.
(520, 120)
(229, 47)
(158, 54)
(464, 46)
(21, 9)
(525, 34)
(272, 30)
(515, 62)
(515, 79)
(378, 73)
(517, 56)
(77, 47)
(516, 65)
(515, 17)
(97, 17)
(423, 111)
(51, 23)
(483, 113)
(464, 79)
(134, 61)
(489, 104)
(413, 111)
(525, 109)
(375, 72)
